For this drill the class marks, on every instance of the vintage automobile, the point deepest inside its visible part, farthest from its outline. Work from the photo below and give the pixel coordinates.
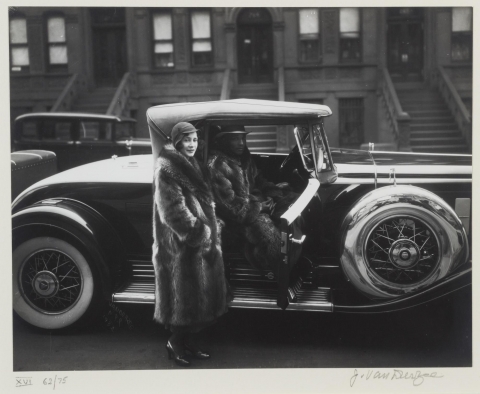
(382, 231)
(78, 138)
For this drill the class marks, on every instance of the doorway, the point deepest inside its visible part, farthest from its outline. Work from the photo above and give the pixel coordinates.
(109, 45)
(254, 46)
(405, 43)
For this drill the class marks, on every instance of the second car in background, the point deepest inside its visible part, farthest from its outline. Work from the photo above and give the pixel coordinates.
(78, 138)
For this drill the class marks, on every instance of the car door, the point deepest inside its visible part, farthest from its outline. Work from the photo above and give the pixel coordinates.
(317, 160)
(292, 238)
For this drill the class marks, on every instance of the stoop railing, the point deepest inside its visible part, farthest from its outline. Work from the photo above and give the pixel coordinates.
(455, 104)
(121, 101)
(398, 119)
(65, 100)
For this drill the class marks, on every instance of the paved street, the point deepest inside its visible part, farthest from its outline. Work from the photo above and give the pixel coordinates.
(254, 339)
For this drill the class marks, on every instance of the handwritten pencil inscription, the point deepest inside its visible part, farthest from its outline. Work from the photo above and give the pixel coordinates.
(22, 382)
(417, 377)
(52, 382)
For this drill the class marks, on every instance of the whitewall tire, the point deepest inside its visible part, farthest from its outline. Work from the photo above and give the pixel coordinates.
(53, 285)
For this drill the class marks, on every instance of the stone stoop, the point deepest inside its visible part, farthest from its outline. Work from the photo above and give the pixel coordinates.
(96, 101)
(432, 128)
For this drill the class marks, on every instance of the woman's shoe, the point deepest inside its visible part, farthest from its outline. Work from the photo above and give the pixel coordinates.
(179, 358)
(196, 352)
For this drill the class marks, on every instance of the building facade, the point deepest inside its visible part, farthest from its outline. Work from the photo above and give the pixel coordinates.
(398, 77)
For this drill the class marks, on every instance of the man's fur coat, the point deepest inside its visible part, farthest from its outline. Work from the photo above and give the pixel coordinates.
(190, 284)
(238, 189)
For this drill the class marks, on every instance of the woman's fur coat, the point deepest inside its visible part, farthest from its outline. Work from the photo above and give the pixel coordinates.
(238, 189)
(190, 284)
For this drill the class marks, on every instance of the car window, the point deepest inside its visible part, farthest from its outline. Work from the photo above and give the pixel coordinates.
(55, 130)
(124, 131)
(29, 130)
(95, 130)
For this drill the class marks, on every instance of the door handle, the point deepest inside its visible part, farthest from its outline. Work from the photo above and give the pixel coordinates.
(298, 241)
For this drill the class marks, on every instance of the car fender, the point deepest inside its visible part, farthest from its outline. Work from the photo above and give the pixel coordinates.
(75, 221)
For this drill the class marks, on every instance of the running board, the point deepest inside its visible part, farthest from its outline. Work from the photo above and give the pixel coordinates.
(306, 299)
(251, 298)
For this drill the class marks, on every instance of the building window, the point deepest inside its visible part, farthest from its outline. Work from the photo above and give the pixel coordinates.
(462, 33)
(201, 38)
(162, 40)
(350, 43)
(19, 57)
(57, 43)
(310, 44)
(351, 122)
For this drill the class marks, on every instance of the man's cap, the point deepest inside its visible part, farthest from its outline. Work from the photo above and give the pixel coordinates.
(231, 129)
(180, 129)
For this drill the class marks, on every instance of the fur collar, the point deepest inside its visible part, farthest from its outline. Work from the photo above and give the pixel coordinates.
(183, 170)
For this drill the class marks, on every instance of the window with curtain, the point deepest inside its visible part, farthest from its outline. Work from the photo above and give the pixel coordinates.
(310, 44)
(350, 40)
(461, 48)
(57, 43)
(350, 114)
(201, 38)
(162, 40)
(19, 56)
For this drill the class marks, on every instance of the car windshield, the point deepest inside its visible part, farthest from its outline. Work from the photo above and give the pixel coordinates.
(313, 158)
(320, 149)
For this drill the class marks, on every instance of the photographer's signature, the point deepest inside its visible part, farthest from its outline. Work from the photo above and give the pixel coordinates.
(417, 377)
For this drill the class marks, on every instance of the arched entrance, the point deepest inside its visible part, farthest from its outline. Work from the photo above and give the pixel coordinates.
(254, 46)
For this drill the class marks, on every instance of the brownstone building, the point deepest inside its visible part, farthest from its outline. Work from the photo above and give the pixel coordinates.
(398, 77)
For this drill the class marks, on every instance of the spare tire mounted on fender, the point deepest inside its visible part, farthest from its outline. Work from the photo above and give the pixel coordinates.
(400, 239)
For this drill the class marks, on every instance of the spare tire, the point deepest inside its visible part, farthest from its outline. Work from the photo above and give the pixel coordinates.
(400, 239)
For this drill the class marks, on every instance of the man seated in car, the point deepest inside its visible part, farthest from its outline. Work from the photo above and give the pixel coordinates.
(247, 202)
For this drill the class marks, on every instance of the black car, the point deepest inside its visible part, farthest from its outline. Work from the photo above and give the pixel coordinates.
(382, 231)
(78, 138)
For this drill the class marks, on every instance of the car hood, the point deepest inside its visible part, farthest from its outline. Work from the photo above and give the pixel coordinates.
(129, 169)
(356, 166)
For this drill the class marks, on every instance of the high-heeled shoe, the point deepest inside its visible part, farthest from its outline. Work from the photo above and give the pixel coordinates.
(179, 358)
(196, 352)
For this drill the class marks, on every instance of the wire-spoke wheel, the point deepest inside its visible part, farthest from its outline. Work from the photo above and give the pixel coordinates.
(398, 240)
(53, 285)
(402, 250)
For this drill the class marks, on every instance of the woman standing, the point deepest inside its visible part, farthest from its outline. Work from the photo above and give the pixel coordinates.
(190, 284)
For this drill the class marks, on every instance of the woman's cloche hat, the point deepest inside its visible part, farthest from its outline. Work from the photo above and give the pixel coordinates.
(180, 129)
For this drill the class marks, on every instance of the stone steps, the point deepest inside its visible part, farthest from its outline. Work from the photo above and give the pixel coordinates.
(432, 126)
